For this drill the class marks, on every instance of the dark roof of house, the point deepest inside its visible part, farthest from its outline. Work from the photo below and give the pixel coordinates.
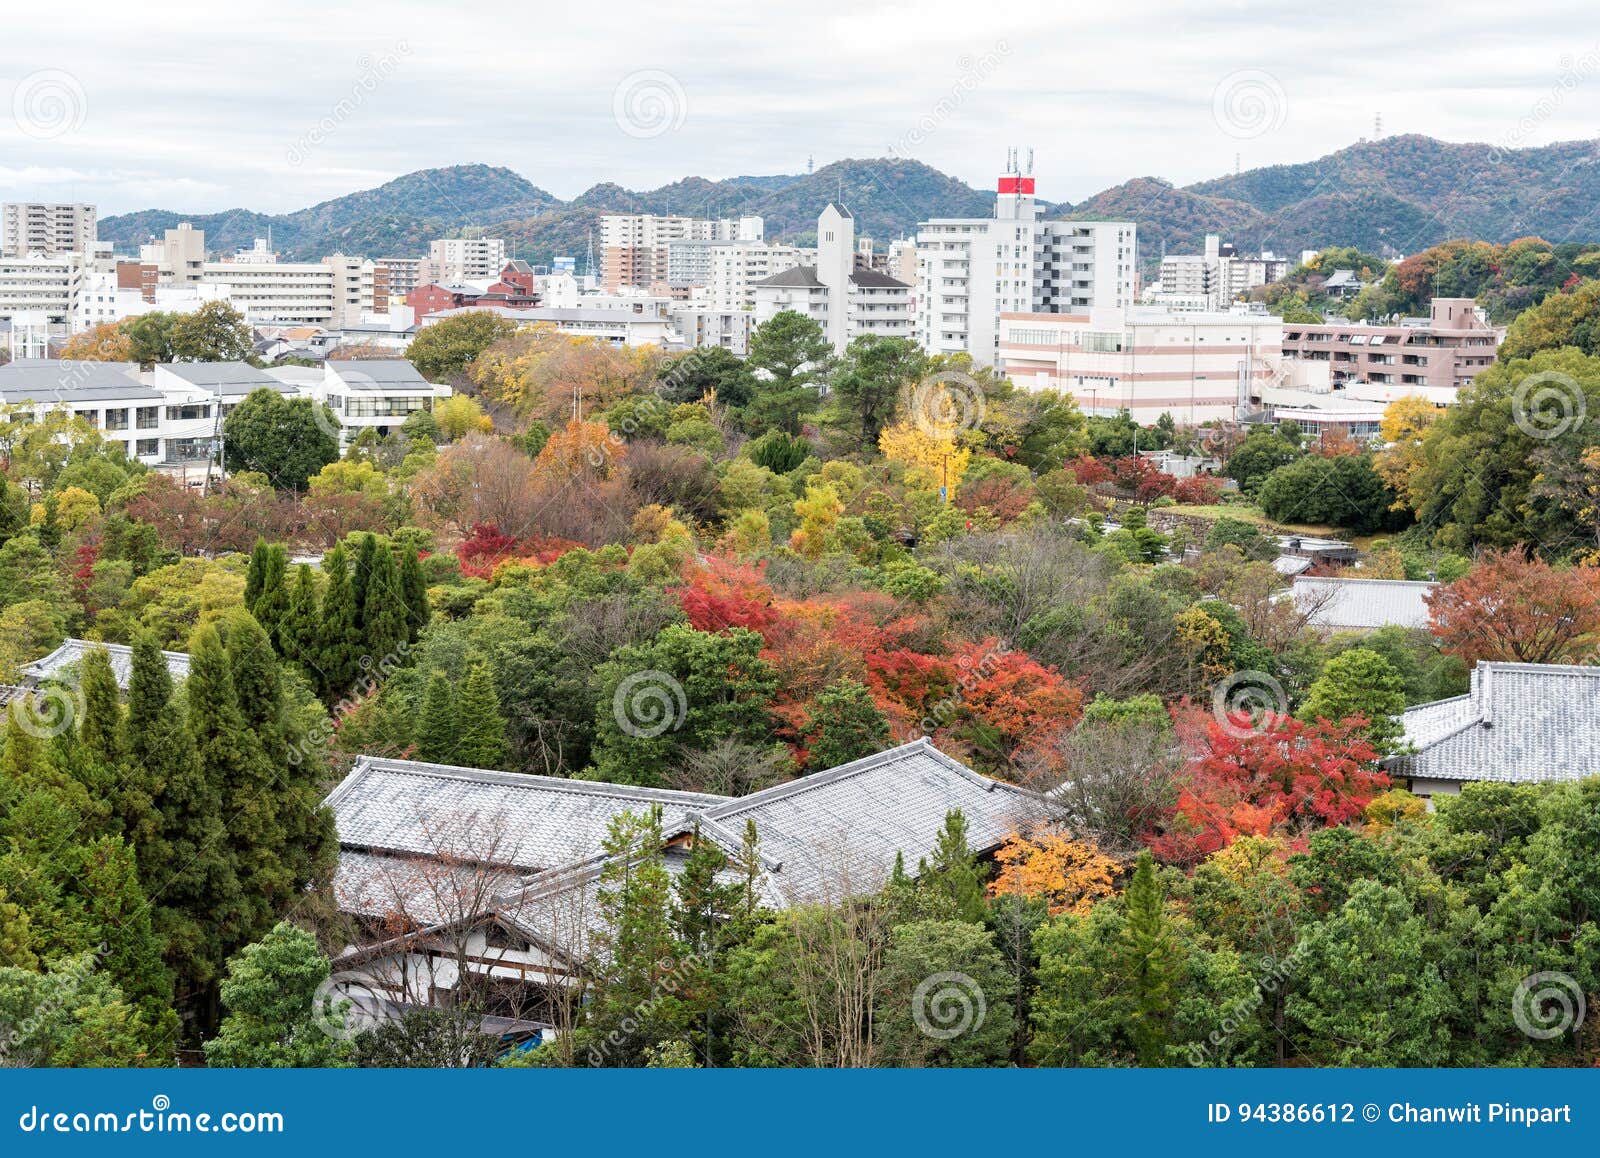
(872, 279)
(840, 209)
(1519, 723)
(49, 380)
(795, 277)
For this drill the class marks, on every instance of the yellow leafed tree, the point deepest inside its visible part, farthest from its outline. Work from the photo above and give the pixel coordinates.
(943, 461)
(1405, 423)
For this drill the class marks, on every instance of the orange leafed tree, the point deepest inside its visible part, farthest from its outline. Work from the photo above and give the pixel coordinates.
(1070, 875)
(1513, 607)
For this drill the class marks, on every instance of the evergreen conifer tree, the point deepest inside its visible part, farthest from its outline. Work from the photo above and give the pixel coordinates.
(481, 741)
(341, 633)
(1150, 962)
(414, 586)
(437, 723)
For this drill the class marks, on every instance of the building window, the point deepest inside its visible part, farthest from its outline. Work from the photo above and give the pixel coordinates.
(117, 419)
(148, 447)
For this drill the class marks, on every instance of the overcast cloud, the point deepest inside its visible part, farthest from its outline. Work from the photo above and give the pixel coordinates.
(201, 107)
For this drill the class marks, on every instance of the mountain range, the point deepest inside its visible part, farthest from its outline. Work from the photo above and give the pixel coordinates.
(1396, 194)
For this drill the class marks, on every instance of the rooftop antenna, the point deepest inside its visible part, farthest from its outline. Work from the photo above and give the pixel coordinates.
(1030, 160)
(588, 260)
(1377, 127)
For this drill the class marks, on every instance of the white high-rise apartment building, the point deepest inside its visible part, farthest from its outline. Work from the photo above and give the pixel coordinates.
(452, 260)
(47, 229)
(334, 292)
(635, 248)
(44, 288)
(972, 270)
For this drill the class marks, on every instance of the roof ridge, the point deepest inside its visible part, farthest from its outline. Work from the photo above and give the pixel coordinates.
(404, 767)
(1515, 667)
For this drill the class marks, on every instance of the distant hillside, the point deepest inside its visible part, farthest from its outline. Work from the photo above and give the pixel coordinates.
(1400, 193)
(397, 218)
(1410, 192)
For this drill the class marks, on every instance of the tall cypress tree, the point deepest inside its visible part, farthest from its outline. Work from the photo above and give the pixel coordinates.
(386, 625)
(341, 633)
(414, 586)
(361, 578)
(300, 633)
(437, 724)
(273, 603)
(119, 913)
(1150, 962)
(102, 707)
(954, 871)
(482, 730)
(234, 763)
(257, 685)
(256, 577)
(304, 845)
(186, 863)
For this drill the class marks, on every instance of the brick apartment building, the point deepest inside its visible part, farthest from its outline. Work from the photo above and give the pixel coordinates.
(1448, 348)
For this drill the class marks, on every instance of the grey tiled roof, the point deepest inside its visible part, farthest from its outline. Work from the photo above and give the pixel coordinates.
(526, 822)
(405, 828)
(1362, 604)
(41, 380)
(839, 830)
(72, 651)
(1520, 723)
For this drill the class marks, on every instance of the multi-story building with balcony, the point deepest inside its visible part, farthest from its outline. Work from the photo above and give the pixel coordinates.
(1445, 350)
(47, 229)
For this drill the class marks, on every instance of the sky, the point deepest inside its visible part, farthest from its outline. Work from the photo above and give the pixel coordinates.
(201, 107)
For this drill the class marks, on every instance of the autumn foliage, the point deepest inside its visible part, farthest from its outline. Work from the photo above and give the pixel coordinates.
(1284, 778)
(1517, 608)
(1069, 875)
